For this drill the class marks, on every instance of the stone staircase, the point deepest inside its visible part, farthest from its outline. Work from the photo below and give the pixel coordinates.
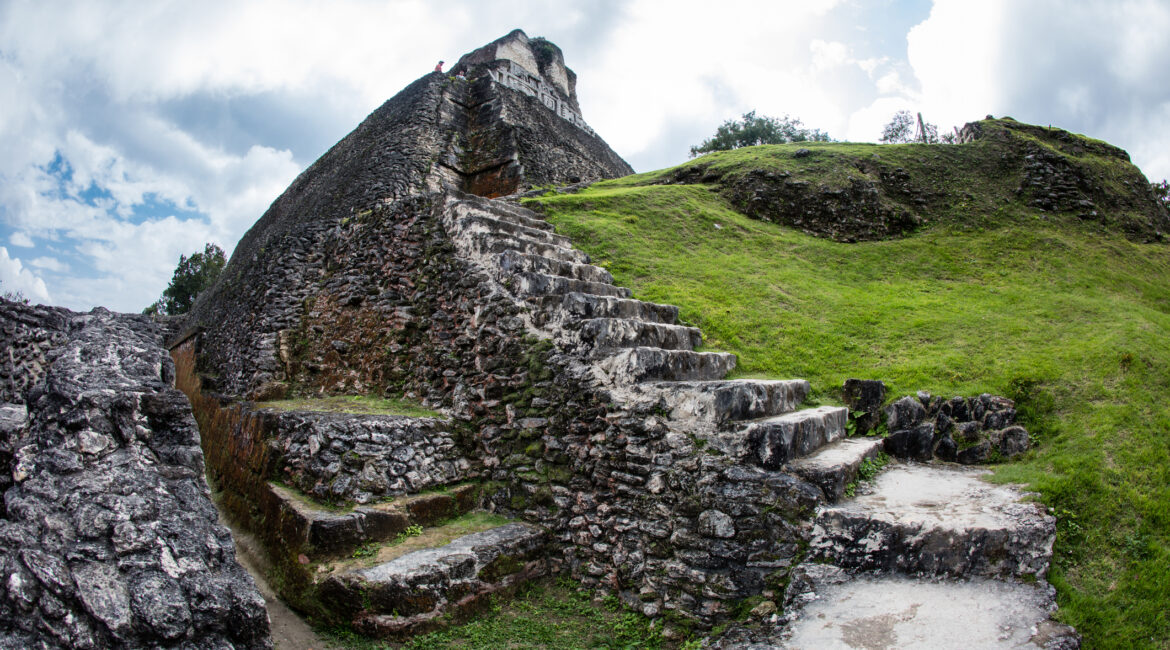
(927, 556)
(393, 569)
(641, 353)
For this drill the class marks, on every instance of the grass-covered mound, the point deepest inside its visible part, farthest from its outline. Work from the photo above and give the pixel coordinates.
(1061, 312)
(849, 191)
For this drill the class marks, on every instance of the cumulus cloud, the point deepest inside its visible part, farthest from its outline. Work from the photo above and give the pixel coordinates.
(49, 264)
(14, 277)
(20, 239)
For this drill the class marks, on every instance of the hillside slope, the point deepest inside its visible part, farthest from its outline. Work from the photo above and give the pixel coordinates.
(987, 285)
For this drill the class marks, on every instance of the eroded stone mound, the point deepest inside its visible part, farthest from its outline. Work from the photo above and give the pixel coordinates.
(857, 192)
(510, 124)
(108, 536)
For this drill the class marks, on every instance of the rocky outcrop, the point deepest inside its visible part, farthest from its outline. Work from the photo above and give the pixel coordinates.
(861, 210)
(965, 430)
(108, 536)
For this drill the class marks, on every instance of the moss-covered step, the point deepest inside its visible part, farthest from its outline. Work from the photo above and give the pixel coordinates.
(420, 590)
(319, 531)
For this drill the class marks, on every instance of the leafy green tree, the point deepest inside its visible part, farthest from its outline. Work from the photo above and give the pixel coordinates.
(751, 130)
(1162, 192)
(899, 130)
(192, 276)
(902, 128)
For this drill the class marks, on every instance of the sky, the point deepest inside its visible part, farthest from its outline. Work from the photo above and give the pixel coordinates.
(134, 132)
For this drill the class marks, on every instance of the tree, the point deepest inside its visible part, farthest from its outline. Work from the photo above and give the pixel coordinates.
(192, 276)
(751, 130)
(899, 130)
(1162, 192)
(905, 127)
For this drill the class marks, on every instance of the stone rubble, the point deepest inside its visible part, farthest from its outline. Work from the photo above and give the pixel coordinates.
(965, 430)
(108, 536)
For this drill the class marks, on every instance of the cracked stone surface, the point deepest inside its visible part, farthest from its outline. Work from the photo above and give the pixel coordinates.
(108, 537)
(937, 519)
(872, 612)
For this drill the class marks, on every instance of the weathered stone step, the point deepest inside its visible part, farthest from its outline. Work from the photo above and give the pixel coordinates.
(722, 401)
(312, 529)
(829, 608)
(646, 364)
(609, 333)
(420, 590)
(505, 212)
(482, 222)
(576, 306)
(514, 261)
(492, 244)
(936, 520)
(833, 467)
(774, 441)
(541, 284)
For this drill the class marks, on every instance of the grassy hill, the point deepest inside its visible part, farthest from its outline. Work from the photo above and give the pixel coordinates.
(988, 272)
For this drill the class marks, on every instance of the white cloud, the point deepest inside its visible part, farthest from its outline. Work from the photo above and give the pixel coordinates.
(1094, 67)
(688, 64)
(49, 264)
(20, 239)
(957, 56)
(15, 278)
(827, 55)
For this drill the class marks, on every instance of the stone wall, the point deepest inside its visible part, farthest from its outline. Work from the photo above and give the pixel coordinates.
(108, 536)
(340, 457)
(33, 338)
(514, 76)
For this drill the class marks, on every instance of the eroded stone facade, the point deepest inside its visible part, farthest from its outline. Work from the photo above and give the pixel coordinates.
(108, 536)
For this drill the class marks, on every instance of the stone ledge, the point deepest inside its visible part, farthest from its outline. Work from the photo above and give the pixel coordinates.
(412, 593)
(319, 532)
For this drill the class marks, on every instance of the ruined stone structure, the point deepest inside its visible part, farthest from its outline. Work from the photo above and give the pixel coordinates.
(622, 456)
(625, 458)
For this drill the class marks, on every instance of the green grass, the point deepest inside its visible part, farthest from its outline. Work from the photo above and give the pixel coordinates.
(1072, 322)
(356, 404)
(546, 614)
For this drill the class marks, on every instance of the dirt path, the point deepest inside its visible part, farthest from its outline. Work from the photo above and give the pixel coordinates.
(289, 630)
